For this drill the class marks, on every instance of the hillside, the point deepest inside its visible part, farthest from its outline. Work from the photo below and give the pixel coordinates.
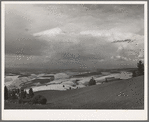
(122, 94)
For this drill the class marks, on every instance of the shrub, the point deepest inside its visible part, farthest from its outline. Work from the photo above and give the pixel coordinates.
(140, 66)
(92, 82)
(134, 74)
(31, 93)
(39, 99)
(13, 95)
(25, 94)
(6, 93)
(18, 91)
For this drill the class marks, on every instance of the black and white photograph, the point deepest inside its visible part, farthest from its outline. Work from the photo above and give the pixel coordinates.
(74, 56)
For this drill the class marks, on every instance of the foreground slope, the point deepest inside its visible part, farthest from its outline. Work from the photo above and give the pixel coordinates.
(122, 94)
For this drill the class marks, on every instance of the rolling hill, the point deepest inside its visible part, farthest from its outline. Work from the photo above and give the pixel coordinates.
(121, 94)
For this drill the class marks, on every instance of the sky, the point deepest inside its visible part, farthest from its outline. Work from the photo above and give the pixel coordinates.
(73, 36)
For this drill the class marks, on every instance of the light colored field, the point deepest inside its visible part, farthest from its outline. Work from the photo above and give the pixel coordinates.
(61, 81)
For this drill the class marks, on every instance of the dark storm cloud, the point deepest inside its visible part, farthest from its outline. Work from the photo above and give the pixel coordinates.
(26, 46)
(56, 34)
(126, 40)
(18, 39)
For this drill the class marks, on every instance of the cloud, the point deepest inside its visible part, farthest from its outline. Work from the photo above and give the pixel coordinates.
(141, 53)
(77, 51)
(126, 40)
(21, 45)
(113, 34)
(102, 60)
(104, 33)
(49, 33)
(17, 40)
(73, 36)
(119, 58)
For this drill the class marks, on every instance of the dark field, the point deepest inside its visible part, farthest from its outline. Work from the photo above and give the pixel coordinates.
(86, 74)
(121, 94)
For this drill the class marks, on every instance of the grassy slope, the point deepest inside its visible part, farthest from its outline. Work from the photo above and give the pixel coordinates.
(104, 96)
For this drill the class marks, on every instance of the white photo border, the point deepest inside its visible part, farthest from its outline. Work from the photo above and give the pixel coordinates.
(74, 114)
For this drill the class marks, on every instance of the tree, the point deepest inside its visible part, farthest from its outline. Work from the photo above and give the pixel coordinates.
(140, 66)
(22, 93)
(6, 93)
(92, 82)
(13, 96)
(18, 91)
(25, 94)
(134, 74)
(31, 93)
